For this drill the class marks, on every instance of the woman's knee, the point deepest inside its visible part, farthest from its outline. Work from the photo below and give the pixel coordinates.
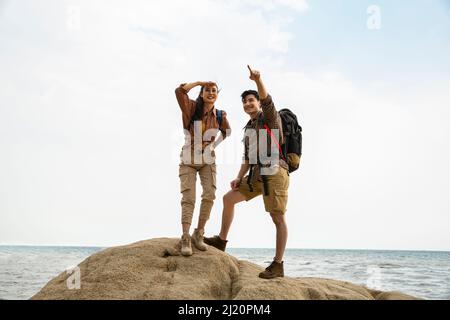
(209, 194)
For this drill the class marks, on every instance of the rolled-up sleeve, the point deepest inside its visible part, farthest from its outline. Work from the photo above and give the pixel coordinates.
(269, 111)
(187, 105)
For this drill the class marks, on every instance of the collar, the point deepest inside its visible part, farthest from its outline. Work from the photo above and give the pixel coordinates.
(258, 116)
(213, 110)
(251, 123)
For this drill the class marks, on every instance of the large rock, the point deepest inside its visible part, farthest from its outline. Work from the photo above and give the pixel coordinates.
(144, 270)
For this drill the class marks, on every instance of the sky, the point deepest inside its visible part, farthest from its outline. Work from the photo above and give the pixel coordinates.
(90, 130)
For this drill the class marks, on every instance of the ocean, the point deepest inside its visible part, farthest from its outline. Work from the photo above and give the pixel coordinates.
(24, 270)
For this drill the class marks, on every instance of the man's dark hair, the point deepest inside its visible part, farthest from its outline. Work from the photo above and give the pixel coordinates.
(249, 92)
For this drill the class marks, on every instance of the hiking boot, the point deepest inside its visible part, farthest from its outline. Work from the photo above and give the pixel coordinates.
(216, 242)
(273, 271)
(186, 249)
(197, 239)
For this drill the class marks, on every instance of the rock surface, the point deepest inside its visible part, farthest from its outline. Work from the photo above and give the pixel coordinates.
(144, 270)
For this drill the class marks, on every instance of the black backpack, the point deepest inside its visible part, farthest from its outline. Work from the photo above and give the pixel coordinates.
(291, 150)
(292, 131)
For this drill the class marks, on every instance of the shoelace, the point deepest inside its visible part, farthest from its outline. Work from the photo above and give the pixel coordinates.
(269, 268)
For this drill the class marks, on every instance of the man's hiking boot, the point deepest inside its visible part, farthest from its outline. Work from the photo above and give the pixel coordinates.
(273, 271)
(186, 249)
(216, 242)
(197, 240)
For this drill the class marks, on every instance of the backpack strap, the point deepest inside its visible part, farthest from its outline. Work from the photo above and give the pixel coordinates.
(219, 117)
(249, 178)
(275, 140)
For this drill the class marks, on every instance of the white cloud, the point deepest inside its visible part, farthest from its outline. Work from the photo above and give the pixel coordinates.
(79, 106)
(270, 5)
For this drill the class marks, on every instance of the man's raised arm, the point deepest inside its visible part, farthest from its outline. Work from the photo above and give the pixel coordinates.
(269, 110)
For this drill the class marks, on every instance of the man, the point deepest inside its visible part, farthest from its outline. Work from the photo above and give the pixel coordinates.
(271, 184)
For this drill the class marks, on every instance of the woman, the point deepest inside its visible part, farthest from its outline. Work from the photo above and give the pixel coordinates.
(201, 122)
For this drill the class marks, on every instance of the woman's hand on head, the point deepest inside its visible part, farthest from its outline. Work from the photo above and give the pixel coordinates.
(206, 83)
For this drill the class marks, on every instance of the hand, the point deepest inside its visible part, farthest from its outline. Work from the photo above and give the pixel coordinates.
(254, 74)
(235, 184)
(206, 83)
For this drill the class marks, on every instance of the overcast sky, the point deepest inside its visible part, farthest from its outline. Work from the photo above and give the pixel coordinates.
(90, 128)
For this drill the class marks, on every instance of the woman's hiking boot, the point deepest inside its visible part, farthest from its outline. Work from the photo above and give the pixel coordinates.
(197, 239)
(186, 249)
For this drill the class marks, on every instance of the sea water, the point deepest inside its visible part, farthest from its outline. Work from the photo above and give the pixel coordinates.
(24, 270)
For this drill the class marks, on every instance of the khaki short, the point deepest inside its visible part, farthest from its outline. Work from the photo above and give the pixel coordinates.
(276, 201)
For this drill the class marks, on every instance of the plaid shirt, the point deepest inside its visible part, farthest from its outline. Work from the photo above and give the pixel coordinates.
(273, 121)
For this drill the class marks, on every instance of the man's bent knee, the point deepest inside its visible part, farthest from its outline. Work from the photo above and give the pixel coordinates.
(232, 197)
(227, 197)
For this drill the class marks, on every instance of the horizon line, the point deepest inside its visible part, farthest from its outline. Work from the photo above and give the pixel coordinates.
(232, 248)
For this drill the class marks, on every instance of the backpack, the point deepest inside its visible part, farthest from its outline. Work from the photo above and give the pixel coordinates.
(291, 150)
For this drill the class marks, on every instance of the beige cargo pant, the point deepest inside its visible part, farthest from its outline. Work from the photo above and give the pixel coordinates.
(188, 180)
